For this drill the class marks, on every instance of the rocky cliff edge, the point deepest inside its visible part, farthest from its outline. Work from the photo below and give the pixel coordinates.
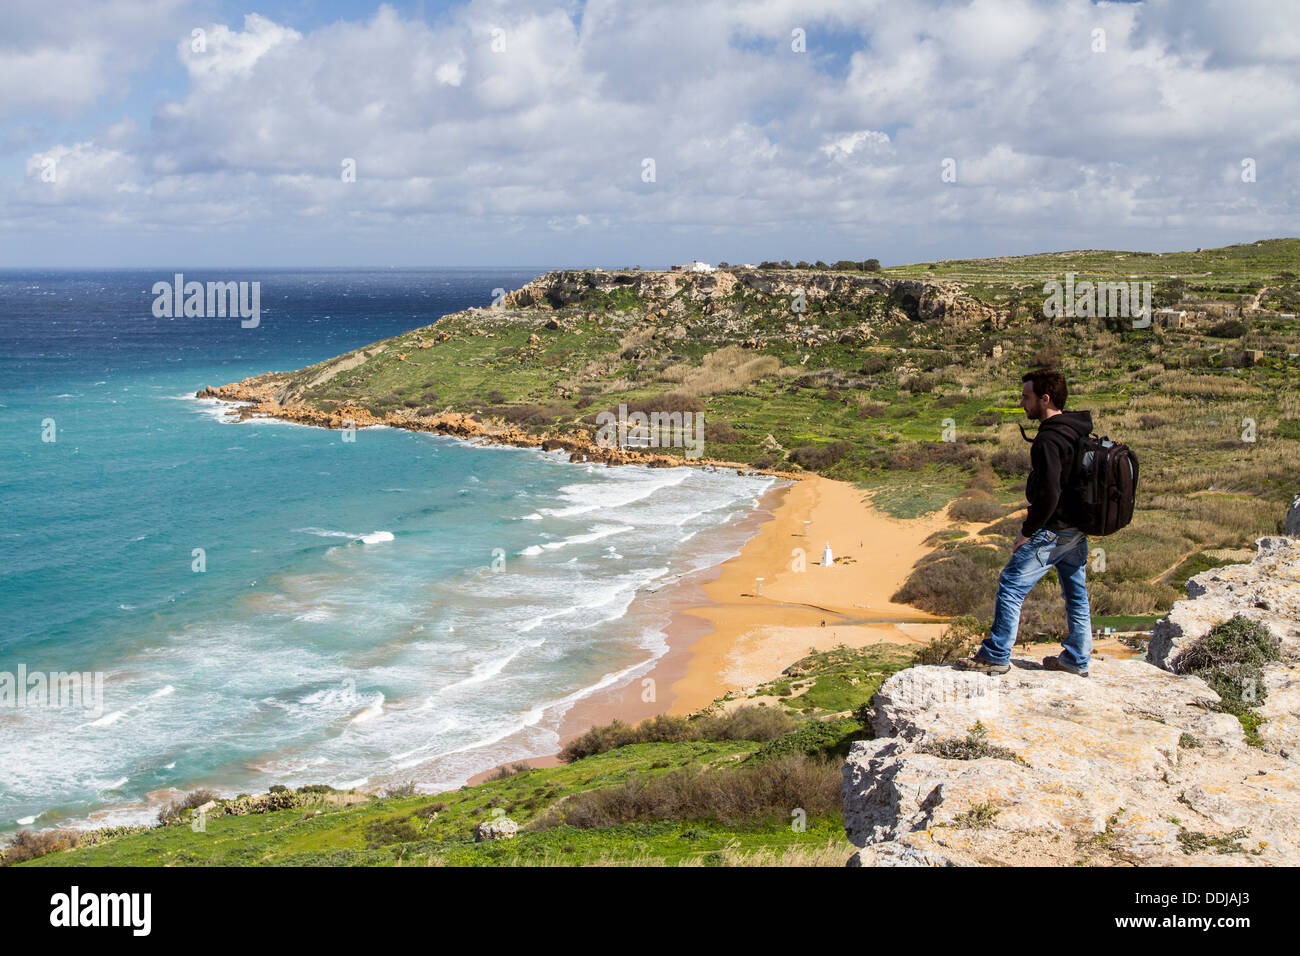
(1133, 765)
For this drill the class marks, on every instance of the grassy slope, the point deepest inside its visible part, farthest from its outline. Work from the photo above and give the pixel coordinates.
(374, 834)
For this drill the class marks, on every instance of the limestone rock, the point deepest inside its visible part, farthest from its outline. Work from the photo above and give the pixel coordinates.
(1132, 764)
(1266, 590)
(502, 828)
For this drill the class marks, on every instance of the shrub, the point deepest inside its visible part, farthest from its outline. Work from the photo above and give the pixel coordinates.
(1012, 461)
(27, 845)
(506, 771)
(956, 642)
(874, 362)
(1230, 329)
(430, 810)
(1231, 658)
(392, 830)
(404, 789)
(919, 384)
(496, 396)
(980, 506)
(721, 432)
(973, 746)
(667, 402)
(745, 723)
(983, 479)
(919, 454)
(813, 738)
(611, 736)
(988, 417)
(953, 582)
(817, 457)
(1008, 527)
(871, 409)
(191, 801)
(1049, 356)
(764, 790)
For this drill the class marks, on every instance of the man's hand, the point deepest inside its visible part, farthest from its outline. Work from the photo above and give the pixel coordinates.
(1020, 539)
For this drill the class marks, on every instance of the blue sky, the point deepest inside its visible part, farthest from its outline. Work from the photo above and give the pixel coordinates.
(494, 133)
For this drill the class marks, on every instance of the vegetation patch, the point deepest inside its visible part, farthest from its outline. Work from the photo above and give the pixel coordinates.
(1231, 659)
(974, 746)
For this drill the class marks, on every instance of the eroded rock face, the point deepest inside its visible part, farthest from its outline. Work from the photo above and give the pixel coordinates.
(1266, 590)
(1132, 764)
(923, 299)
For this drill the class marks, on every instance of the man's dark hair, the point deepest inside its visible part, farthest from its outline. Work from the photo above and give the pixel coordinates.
(1049, 382)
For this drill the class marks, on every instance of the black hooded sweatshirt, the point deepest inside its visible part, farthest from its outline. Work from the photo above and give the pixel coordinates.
(1051, 459)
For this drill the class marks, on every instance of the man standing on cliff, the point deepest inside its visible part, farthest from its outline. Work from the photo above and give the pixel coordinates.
(1048, 538)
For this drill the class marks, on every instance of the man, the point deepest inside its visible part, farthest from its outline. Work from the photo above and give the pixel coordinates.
(1048, 538)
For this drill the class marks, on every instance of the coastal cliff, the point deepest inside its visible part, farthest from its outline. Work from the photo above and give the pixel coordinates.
(628, 318)
(1141, 763)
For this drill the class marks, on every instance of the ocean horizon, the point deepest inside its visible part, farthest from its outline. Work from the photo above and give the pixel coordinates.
(268, 603)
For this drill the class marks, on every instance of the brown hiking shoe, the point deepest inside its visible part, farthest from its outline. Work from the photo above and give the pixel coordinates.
(981, 666)
(1055, 663)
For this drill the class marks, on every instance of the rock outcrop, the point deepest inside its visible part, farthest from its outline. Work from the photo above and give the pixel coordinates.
(717, 292)
(1135, 764)
(1131, 765)
(500, 828)
(1267, 590)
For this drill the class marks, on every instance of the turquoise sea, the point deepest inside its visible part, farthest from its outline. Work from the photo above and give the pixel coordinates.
(343, 622)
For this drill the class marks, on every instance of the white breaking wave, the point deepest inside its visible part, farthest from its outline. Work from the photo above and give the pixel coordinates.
(374, 537)
(608, 495)
(375, 709)
(488, 669)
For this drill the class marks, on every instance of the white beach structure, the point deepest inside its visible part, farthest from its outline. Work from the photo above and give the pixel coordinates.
(695, 265)
(827, 558)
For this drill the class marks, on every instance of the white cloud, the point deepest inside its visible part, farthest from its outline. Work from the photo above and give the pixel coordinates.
(63, 58)
(453, 138)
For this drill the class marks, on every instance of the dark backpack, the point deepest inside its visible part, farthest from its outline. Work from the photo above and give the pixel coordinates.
(1104, 482)
(1102, 485)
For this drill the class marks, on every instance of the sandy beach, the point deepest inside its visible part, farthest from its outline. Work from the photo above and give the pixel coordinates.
(743, 622)
(772, 604)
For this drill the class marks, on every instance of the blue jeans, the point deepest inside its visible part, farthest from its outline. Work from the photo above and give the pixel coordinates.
(1067, 551)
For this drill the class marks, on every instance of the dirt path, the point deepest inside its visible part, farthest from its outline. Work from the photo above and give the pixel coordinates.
(1174, 567)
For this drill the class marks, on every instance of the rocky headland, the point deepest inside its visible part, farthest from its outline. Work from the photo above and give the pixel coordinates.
(1139, 764)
